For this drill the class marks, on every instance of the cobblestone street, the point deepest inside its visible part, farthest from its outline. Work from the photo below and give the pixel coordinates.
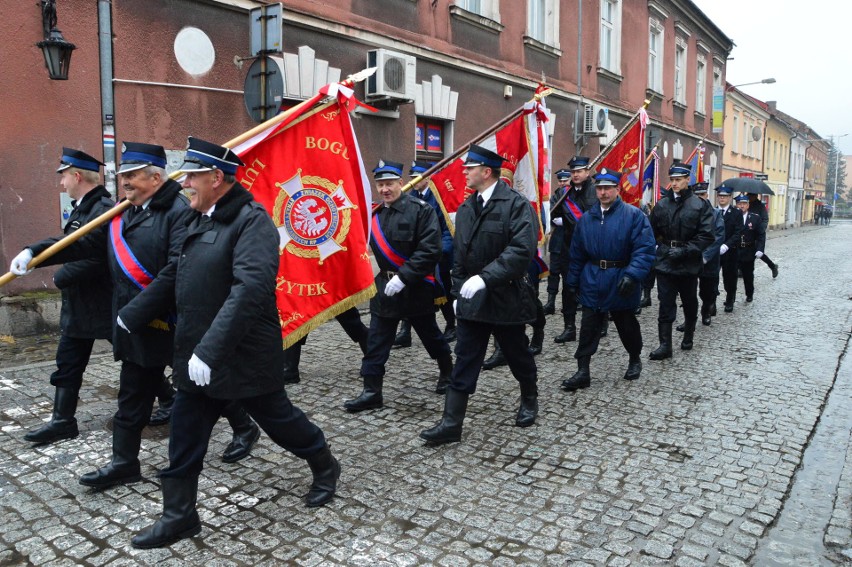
(692, 464)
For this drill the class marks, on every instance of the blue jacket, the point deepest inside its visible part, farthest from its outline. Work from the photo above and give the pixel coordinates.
(624, 234)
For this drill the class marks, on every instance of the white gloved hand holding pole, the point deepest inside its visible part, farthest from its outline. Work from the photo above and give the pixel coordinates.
(21, 261)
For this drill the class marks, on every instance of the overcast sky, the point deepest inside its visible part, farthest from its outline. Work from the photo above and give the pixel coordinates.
(803, 45)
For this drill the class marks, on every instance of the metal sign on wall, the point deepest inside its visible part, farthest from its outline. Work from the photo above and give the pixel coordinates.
(266, 29)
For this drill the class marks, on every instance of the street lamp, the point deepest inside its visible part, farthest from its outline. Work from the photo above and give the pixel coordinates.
(768, 81)
(56, 51)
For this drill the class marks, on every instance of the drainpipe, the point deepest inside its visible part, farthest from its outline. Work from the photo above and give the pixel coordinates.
(107, 102)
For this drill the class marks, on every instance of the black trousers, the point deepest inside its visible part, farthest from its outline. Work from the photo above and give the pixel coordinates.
(383, 333)
(72, 357)
(558, 271)
(765, 259)
(569, 303)
(137, 388)
(472, 342)
(648, 283)
(593, 321)
(668, 288)
(350, 320)
(746, 263)
(708, 288)
(729, 274)
(194, 415)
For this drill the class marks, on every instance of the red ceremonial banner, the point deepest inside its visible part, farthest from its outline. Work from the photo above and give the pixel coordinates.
(308, 174)
(627, 158)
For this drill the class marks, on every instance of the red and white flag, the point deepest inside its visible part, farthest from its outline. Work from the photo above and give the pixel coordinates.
(308, 173)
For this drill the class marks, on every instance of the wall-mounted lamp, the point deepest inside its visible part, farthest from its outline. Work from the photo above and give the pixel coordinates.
(56, 51)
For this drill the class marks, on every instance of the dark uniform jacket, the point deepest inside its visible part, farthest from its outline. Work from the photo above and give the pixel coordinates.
(757, 207)
(623, 234)
(710, 257)
(498, 245)
(688, 223)
(85, 284)
(752, 237)
(224, 287)
(446, 262)
(557, 232)
(154, 236)
(410, 227)
(585, 198)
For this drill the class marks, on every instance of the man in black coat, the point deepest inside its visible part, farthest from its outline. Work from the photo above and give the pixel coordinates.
(683, 226)
(495, 240)
(580, 198)
(708, 279)
(728, 250)
(228, 338)
(86, 289)
(406, 242)
(558, 260)
(752, 242)
(756, 206)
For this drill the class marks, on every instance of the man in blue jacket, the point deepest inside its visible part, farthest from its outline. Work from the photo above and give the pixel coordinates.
(611, 254)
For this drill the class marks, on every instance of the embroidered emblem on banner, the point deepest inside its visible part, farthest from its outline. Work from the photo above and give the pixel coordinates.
(313, 216)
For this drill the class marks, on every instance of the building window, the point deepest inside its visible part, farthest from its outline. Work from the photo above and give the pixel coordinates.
(701, 86)
(747, 142)
(543, 21)
(486, 8)
(429, 139)
(655, 56)
(610, 49)
(680, 71)
(474, 6)
(736, 130)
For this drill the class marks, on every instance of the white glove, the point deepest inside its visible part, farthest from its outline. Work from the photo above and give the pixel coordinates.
(758, 254)
(199, 372)
(19, 264)
(703, 260)
(471, 286)
(557, 221)
(394, 286)
(723, 249)
(121, 324)
(456, 307)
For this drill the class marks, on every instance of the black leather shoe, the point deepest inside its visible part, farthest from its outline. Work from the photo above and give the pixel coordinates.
(450, 334)
(749, 299)
(567, 336)
(326, 471)
(108, 476)
(634, 368)
(664, 330)
(550, 306)
(713, 309)
(241, 444)
(179, 519)
(581, 379)
(646, 301)
(403, 337)
(729, 308)
(529, 405)
(495, 360)
(124, 467)
(706, 320)
(537, 341)
(62, 424)
(449, 429)
(775, 271)
(680, 328)
(370, 397)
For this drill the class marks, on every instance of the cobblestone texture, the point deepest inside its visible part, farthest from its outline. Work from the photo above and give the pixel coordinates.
(687, 466)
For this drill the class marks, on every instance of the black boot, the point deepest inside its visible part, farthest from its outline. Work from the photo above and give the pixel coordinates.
(680, 327)
(646, 298)
(634, 367)
(537, 341)
(292, 357)
(450, 333)
(246, 433)
(665, 349)
(403, 337)
(605, 326)
(165, 400)
(580, 379)
(449, 429)
(529, 405)
(496, 359)
(445, 367)
(729, 303)
(706, 319)
(124, 467)
(62, 424)
(570, 332)
(326, 471)
(713, 308)
(179, 519)
(370, 398)
(688, 334)
(550, 306)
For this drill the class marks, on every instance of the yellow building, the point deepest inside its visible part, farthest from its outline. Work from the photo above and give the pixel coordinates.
(785, 205)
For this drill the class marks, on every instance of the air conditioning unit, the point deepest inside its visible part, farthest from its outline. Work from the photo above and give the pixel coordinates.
(394, 78)
(595, 120)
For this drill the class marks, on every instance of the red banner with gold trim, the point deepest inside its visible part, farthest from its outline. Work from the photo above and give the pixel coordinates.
(308, 174)
(627, 157)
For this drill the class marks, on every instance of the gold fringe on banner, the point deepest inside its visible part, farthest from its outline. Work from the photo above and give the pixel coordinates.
(329, 314)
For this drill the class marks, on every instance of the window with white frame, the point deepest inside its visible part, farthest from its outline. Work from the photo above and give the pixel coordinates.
(610, 36)
(701, 85)
(747, 141)
(543, 21)
(487, 8)
(680, 71)
(736, 131)
(655, 56)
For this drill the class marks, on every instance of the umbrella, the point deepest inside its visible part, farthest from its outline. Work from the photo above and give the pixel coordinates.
(747, 185)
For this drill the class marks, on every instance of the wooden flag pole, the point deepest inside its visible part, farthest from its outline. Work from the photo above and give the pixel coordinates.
(621, 133)
(124, 205)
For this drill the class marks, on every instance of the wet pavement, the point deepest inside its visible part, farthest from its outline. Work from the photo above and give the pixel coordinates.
(735, 453)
